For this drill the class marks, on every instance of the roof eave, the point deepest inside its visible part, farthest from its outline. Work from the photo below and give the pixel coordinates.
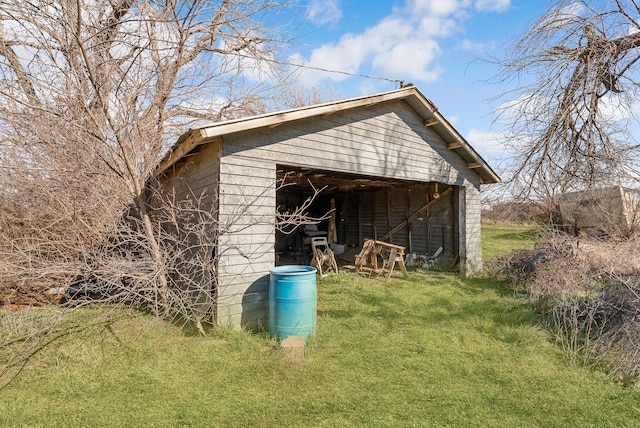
(425, 107)
(456, 141)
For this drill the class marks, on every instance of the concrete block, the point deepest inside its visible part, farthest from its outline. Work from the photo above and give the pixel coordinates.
(293, 348)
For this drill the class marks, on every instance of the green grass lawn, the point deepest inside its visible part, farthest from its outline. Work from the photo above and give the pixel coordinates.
(500, 239)
(430, 350)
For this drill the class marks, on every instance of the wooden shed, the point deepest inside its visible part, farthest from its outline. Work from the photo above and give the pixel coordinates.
(391, 165)
(605, 211)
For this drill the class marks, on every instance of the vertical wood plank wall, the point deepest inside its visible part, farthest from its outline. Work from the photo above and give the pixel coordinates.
(433, 229)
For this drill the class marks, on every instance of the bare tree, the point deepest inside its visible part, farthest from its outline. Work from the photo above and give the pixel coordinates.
(90, 94)
(572, 113)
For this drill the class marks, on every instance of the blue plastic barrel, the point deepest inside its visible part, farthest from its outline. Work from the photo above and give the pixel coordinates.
(293, 301)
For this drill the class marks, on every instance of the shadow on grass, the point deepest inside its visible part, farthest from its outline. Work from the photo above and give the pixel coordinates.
(494, 310)
(190, 328)
(527, 235)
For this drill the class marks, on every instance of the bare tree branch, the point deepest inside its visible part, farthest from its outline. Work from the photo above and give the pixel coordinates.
(572, 114)
(91, 95)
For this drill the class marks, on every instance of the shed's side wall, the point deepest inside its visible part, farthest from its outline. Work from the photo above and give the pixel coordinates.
(195, 175)
(387, 139)
(195, 178)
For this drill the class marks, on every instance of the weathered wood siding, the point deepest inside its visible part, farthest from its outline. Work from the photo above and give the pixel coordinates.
(195, 178)
(436, 227)
(247, 238)
(195, 175)
(470, 241)
(387, 139)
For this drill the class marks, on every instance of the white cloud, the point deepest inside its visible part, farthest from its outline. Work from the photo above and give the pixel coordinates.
(401, 46)
(490, 145)
(471, 46)
(405, 45)
(323, 12)
(492, 5)
(437, 7)
(614, 109)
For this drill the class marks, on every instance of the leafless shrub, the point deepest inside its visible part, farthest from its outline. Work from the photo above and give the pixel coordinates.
(288, 221)
(516, 212)
(120, 270)
(518, 268)
(588, 291)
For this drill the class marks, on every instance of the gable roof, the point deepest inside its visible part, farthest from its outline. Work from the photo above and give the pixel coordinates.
(421, 104)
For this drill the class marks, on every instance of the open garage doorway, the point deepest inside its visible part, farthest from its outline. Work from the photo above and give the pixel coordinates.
(422, 217)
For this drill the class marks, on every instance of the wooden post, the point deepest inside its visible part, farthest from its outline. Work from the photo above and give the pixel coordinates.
(388, 210)
(452, 221)
(462, 226)
(428, 219)
(406, 213)
(359, 219)
(373, 215)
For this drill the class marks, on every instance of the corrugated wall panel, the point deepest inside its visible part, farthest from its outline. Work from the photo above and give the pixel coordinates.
(418, 199)
(398, 204)
(437, 227)
(365, 217)
(440, 228)
(352, 227)
(380, 209)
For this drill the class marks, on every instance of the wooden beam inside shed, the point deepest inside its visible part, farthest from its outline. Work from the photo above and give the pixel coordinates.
(415, 215)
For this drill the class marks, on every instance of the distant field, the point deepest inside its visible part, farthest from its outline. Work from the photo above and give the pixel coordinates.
(500, 239)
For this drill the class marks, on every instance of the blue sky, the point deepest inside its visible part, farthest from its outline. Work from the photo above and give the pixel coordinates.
(430, 43)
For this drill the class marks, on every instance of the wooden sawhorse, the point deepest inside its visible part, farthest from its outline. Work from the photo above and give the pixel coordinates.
(391, 255)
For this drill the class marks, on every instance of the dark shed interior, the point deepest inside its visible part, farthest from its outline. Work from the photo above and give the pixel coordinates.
(421, 217)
